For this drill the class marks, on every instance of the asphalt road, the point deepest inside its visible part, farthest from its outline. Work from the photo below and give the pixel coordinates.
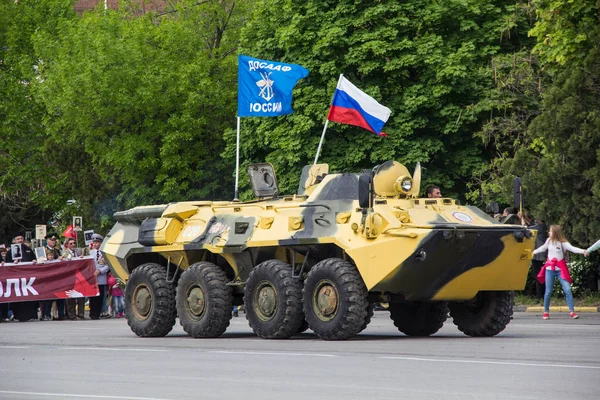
(531, 359)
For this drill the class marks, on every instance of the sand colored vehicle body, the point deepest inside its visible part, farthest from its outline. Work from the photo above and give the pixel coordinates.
(320, 258)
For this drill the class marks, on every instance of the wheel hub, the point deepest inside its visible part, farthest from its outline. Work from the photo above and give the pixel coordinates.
(265, 303)
(196, 301)
(142, 298)
(326, 300)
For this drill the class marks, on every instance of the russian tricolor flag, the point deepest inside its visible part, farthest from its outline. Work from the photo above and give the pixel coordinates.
(352, 106)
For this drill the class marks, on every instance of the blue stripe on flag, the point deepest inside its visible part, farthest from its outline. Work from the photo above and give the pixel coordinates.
(343, 99)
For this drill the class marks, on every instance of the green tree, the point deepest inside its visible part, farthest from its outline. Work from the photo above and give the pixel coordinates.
(515, 102)
(427, 61)
(144, 100)
(26, 170)
(559, 156)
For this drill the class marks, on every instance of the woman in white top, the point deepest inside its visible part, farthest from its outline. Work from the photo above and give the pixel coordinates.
(556, 267)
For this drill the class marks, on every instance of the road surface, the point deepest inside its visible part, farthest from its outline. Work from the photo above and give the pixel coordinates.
(531, 359)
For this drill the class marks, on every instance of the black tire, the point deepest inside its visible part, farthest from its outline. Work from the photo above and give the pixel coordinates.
(418, 318)
(304, 327)
(485, 315)
(150, 301)
(335, 300)
(204, 301)
(273, 298)
(370, 313)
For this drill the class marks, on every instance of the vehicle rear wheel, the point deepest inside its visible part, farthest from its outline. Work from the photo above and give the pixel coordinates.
(204, 301)
(370, 313)
(487, 314)
(150, 301)
(335, 300)
(273, 297)
(418, 318)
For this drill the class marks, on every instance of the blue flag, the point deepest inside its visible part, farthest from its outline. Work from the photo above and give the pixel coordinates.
(265, 87)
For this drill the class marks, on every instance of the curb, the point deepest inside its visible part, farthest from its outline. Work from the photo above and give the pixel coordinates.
(558, 309)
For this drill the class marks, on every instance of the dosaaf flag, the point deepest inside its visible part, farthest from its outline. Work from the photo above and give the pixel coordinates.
(265, 87)
(352, 106)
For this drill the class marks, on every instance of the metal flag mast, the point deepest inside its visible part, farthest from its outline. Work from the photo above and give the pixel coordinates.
(326, 122)
(237, 162)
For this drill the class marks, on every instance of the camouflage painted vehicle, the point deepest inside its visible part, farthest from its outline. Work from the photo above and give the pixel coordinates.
(320, 258)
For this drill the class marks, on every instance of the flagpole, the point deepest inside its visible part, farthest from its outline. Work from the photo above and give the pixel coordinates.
(326, 122)
(321, 141)
(237, 161)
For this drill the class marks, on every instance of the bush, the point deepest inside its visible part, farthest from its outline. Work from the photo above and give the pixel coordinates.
(584, 275)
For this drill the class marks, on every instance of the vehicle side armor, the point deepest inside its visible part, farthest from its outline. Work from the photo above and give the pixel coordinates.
(320, 259)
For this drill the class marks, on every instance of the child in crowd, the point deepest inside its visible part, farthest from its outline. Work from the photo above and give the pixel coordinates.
(117, 297)
(556, 266)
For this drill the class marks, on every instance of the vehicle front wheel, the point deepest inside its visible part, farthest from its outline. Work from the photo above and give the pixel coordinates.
(487, 314)
(150, 301)
(418, 318)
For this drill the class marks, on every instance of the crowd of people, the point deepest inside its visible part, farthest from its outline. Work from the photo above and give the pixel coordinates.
(60, 309)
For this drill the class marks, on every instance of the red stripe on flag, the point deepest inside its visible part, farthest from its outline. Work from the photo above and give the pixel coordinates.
(348, 116)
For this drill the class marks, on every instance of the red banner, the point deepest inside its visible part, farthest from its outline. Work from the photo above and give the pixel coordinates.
(48, 281)
(69, 232)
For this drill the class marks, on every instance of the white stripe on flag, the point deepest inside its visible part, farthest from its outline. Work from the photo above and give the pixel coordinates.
(369, 104)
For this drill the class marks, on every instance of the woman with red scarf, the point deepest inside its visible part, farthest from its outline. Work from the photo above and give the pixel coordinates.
(556, 266)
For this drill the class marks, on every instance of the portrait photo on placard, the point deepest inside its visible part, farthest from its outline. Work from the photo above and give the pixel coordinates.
(40, 232)
(16, 251)
(87, 236)
(40, 254)
(77, 224)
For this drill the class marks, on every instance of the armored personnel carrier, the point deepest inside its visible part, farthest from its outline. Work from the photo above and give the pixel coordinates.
(319, 259)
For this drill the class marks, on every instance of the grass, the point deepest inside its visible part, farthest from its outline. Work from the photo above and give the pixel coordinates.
(587, 300)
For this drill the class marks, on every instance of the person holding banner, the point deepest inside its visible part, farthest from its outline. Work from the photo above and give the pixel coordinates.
(75, 306)
(52, 253)
(98, 305)
(26, 310)
(4, 307)
(3, 251)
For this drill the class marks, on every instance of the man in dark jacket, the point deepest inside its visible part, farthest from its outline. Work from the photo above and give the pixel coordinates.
(26, 252)
(4, 307)
(538, 260)
(24, 310)
(52, 253)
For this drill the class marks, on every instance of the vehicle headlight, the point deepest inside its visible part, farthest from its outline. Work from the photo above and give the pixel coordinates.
(403, 185)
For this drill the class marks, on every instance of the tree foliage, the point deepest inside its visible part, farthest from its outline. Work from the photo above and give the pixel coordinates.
(146, 99)
(556, 148)
(26, 165)
(117, 108)
(427, 61)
